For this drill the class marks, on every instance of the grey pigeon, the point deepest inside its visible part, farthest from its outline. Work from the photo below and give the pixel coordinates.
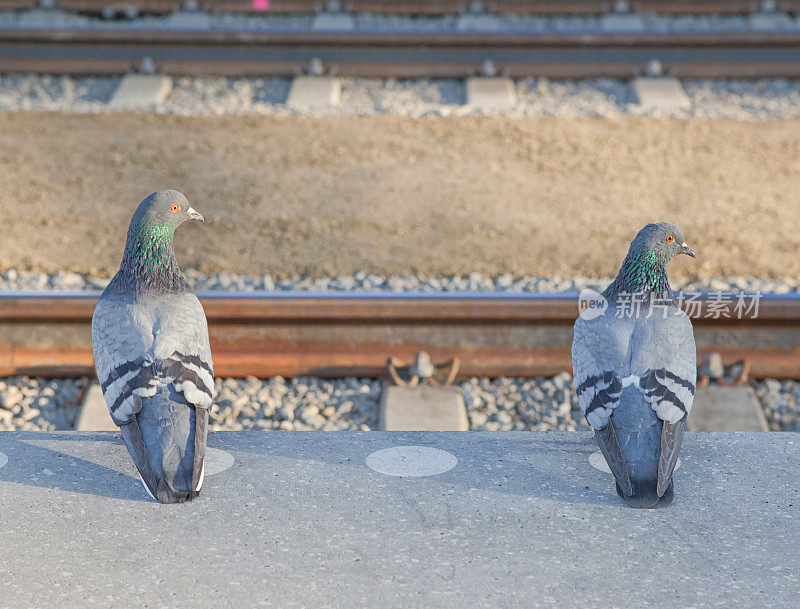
(152, 354)
(635, 369)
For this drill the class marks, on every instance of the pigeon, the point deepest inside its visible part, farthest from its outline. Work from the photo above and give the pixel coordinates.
(635, 369)
(152, 354)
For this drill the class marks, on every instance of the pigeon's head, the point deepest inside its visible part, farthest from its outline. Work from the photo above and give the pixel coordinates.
(164, 209)
(662, 240)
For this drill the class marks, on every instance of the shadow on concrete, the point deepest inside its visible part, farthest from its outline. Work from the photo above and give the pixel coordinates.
(37, 459)
(536, 465)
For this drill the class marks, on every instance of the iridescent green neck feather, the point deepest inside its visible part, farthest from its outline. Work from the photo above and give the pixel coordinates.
(149, 264)
(644, 274)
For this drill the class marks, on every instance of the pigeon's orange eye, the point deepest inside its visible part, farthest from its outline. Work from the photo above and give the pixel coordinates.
(670, 238)
(176, 207)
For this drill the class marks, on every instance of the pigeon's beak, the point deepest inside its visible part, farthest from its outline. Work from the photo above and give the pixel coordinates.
(685, 249)
(193, 215)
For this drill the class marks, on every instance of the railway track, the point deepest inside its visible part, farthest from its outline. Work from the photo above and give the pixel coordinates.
(346, 334)
(417, 7)
(399, 54)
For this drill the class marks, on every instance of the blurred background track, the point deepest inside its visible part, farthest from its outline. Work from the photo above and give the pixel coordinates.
(425, 7)
(401, 54)
(392, 195)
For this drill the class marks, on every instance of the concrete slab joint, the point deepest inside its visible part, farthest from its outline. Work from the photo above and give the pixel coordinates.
(491, 93)
(94, 412)
(477, 22)
(770, 21)
(661, 93)
(333, 21)
(622, 22)
(140, 91)
(314, 92)
(422, 408)
(720, 408)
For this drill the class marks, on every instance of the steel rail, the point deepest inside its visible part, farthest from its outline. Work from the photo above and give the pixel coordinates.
(394, 39)
(344, 334)
(419, 7)
(402, 55)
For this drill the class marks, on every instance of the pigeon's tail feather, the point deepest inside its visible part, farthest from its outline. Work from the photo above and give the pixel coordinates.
(167, 442)
(644, 494)
(638, 431)
(609, 446)
(671, 439)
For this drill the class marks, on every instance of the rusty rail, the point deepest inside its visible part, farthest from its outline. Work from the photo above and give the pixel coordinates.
(339, 334)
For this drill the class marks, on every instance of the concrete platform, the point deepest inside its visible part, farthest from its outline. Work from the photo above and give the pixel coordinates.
(303, 520)
(314, 92)
(140, 91)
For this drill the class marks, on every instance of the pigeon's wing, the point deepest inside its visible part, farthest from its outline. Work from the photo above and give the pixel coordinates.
(138, 345)
(666, 359)
(122, 339)
(598, 358)
(181, 339)
(598, 353)
(664, 355)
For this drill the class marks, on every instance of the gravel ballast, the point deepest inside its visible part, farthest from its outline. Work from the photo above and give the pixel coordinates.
(733, 99)
(310, 403)
(36, 404)
(14, 280)
(780, 400)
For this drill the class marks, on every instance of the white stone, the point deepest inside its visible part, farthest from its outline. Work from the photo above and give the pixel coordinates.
(140, 91)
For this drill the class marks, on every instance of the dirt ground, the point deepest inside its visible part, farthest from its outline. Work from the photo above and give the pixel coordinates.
(393, 195)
